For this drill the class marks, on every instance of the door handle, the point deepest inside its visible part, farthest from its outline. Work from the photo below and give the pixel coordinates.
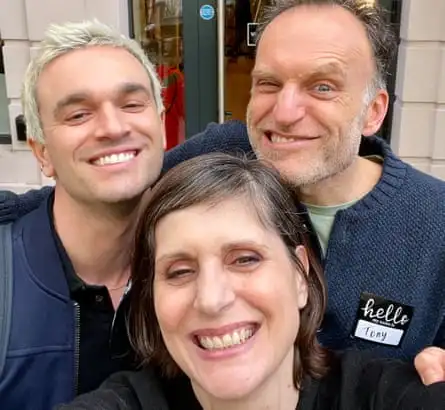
(221, 59)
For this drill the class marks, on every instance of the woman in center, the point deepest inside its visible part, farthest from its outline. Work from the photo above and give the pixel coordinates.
(226, 302)
(224, 289)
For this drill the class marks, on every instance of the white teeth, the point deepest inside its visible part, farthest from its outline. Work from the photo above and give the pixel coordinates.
(217, 343)
(205, 342)
(280, 140)
(226, 341)
(115, 158)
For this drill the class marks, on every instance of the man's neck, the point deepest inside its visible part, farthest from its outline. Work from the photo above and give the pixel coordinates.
(96, 239)
(349, 185)
(276, 393)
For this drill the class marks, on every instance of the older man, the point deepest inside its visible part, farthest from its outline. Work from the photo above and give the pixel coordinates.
(318, 86)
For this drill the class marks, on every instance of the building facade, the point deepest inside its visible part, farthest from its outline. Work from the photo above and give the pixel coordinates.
(416, 126)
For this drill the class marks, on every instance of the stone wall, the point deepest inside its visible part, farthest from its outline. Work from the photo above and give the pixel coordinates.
(22, 24)
(418, 130)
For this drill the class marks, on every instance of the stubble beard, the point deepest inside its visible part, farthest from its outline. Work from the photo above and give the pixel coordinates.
(331, 161)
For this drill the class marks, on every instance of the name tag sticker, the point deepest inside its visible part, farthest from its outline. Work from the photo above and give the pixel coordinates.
(381, 320)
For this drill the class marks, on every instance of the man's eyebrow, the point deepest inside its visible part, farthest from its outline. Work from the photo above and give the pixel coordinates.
(328, 68)
(130, 88)
(82, 96)
(71, 99)
(259, 72)
(331, 68)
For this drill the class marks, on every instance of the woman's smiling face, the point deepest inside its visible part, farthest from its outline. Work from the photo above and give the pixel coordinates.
(227, 297)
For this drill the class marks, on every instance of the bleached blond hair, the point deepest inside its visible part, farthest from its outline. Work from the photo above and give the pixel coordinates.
(60, 39)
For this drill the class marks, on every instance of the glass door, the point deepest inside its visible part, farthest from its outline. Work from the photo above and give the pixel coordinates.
(179, 37)
(240, 22)
(158, 27)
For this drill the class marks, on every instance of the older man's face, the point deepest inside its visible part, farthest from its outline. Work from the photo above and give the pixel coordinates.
(308, 106)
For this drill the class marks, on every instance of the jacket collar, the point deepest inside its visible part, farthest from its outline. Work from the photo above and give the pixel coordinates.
(41, 250)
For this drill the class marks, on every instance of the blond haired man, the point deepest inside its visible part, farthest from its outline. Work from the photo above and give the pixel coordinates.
(94, 117)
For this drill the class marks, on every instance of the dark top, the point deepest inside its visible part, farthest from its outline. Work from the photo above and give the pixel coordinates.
(100, 355)
(356, 382)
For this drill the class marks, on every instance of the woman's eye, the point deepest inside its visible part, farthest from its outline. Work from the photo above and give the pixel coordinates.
(178, 273)
(246, 260)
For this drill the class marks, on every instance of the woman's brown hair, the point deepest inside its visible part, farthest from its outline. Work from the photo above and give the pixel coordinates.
(209, 179)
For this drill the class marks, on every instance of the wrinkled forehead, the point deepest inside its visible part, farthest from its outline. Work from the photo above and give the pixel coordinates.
(305, 35)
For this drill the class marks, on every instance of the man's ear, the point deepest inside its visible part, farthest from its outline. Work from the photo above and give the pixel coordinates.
(375, 113)
(301, 276)
(41, 153)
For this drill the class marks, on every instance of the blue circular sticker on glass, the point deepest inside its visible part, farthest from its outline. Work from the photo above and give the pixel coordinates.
(207, 12)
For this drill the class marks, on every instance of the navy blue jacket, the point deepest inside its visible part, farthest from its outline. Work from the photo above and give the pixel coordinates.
(40, 365)
(390, 246)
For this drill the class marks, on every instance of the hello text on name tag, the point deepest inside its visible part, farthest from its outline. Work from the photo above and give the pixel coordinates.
(382, 321)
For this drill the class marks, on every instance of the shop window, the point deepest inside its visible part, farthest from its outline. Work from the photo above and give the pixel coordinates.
(5, 134)
(157, 26)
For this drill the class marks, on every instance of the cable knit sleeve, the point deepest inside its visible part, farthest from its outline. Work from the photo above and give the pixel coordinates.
(13, 206)
(440, 335)
(229, 137)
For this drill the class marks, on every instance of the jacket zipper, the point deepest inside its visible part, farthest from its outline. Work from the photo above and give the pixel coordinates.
(76, 346)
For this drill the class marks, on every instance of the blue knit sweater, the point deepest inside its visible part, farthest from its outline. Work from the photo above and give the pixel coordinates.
(385, 262)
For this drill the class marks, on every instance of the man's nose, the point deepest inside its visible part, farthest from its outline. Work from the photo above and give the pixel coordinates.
(290, 106)
(112, 123)
(214, 292)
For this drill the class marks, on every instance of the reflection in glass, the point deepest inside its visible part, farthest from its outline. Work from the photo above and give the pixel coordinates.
(239, 53)
(158, 28)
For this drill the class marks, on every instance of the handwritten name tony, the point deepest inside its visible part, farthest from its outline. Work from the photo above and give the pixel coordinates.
(371, 333)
